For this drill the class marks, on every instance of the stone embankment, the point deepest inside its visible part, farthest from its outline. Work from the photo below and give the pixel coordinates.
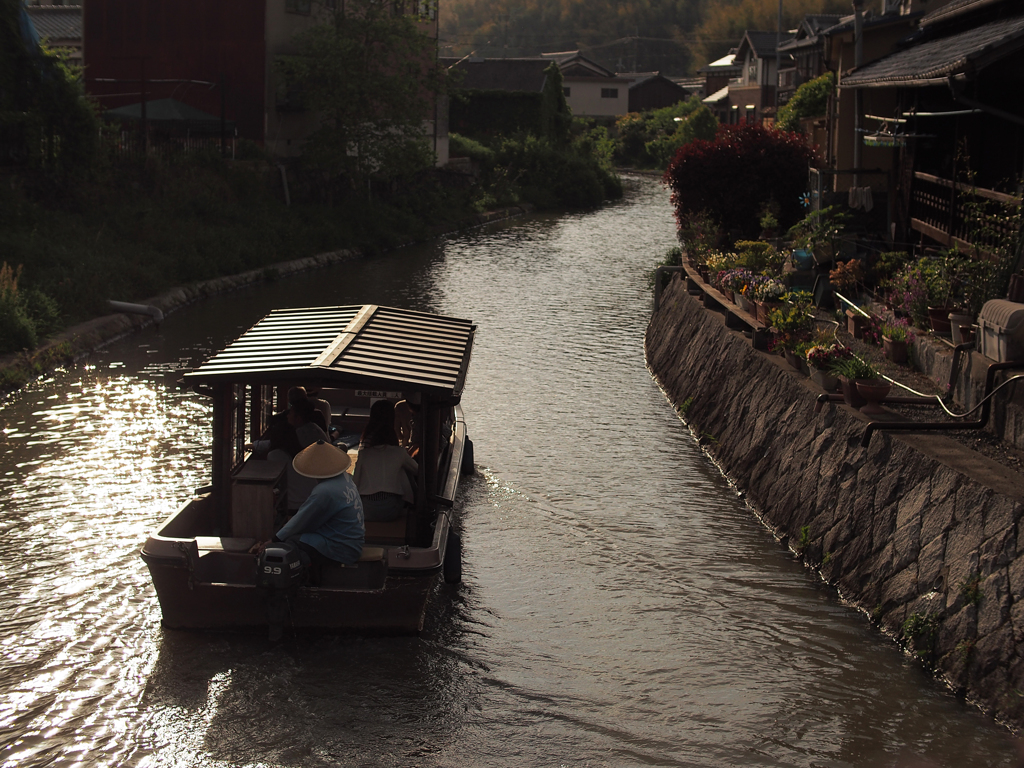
(916, 530)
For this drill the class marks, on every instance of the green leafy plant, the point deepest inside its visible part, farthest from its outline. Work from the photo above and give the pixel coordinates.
(809, 100)
(819, 229)
(970, 589)
(853, 368)
(805, 539)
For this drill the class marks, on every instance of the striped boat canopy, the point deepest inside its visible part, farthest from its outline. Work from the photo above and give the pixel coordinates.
(353, 346)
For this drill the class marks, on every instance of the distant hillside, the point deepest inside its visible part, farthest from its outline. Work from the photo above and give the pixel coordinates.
(674, 37)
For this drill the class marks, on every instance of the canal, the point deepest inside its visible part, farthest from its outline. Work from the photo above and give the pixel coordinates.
(621, 605)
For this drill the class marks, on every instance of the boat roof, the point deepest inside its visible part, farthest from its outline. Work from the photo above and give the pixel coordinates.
(360, 345)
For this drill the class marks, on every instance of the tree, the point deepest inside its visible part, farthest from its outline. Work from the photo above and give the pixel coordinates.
(42, 103)
(371, 77)
(555, 115)
(734, 176)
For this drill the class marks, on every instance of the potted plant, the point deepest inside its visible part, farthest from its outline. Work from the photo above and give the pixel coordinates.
(896, 339)
(863, 387)
(792, 323)
(821, 359)
(818, 232)
(767, 292)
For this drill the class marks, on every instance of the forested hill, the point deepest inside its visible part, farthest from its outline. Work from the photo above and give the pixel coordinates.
(675, 37)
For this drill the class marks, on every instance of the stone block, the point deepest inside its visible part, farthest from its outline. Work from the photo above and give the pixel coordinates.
(998, 551)
(945, 483)
(961, 627)
(970, 502)
(883, 526)
(1000, 513)
(901, 588)
(906, 544)
(937, 519)
(962, 557)
(1016, 573)
(994, 608)
(887, 489)
(931, 564)
(913, 503)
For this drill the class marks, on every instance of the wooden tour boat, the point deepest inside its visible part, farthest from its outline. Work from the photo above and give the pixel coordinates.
(199, 559)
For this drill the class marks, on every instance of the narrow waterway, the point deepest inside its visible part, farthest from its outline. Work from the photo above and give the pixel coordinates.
(621, 606)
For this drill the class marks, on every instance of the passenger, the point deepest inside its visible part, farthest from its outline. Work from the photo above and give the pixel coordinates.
(328, 528)
(323, 407)
(301, 417)
(407, 426)
(321, 419)
(384, 471)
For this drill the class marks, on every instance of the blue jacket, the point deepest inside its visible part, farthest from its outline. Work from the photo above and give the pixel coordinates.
(330, 520)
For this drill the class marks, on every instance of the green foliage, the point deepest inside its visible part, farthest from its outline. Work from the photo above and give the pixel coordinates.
(685, 406)
(920, 631)
(369, 77)
(651, 139)
(819, 229)
(555, 115)
(460, 146)
(547, 177)
(805, 539)
(970, 589)
(759, 256)
(809, 100)
(853, 368)
(43, 104)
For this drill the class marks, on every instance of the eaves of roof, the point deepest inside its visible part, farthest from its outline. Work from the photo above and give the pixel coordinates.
(954, 9)
(934, 61)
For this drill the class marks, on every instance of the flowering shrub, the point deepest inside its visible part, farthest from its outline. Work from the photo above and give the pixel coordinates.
(716, 261)
(733, 174)
(909, 292)
(735, 280)
(823, 356)
(898, 329)
(768, 289)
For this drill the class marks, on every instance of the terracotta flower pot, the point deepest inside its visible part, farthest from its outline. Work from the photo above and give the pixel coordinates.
(851, 396)
(895, 350)
(824, 379)
(874, 392)
(855, 323)
(939, 317)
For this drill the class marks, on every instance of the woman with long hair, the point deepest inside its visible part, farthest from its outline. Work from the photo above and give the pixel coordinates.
(384, 471)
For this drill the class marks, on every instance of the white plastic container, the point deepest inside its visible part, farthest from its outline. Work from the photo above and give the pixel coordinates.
(1001, 331)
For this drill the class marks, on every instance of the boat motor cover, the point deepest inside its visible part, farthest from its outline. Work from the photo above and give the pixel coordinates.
(280, 566)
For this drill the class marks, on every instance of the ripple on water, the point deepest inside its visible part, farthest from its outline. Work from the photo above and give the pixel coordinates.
(620, 605)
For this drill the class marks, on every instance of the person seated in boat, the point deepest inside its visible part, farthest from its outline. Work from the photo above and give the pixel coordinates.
(323, 408)
(384, 470)
(302, 418)
(281, 431)
(407, 426)
(328, 527)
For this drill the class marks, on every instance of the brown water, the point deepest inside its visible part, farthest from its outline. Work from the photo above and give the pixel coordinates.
(621, 606)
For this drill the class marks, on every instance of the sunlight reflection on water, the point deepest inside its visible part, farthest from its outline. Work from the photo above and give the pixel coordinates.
(620, 605)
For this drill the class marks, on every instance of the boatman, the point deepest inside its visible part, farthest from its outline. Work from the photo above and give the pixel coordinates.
(328, 527)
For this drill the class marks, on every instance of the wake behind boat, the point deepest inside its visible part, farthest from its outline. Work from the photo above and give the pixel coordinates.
(199, 558)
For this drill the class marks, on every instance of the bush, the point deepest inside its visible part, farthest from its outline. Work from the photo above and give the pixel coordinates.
(809, 100)
(734, 174)
(548, 177)
(461, 146)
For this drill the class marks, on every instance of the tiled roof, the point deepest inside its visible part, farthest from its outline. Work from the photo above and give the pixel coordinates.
(57, 22)
(954, 9)
(763, 43)
(933, 61)
(500, 74)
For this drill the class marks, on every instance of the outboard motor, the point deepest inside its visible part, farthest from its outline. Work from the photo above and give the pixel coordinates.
(280, 573)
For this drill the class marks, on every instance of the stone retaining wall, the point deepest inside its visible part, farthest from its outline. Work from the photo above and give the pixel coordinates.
(916, 530)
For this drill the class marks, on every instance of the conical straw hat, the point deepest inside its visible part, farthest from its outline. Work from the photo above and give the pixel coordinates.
(321, 460)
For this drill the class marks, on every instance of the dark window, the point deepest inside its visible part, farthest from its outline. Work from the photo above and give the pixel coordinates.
(566, 90)
(609, 93)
